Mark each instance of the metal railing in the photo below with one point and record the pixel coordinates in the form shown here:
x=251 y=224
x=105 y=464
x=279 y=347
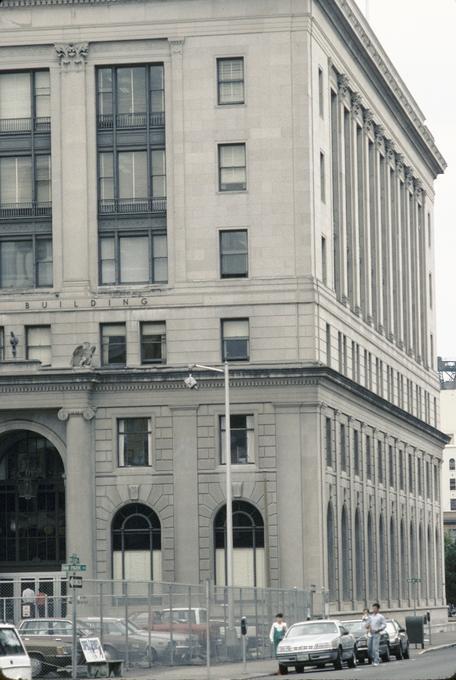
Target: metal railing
x=105 y=121
x=30 y=209
x=12 y=125
x=111 y=206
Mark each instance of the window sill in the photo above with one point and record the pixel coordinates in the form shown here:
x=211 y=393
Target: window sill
x=126 y=288
x=221 y=467
x=230 y=193
x=14 y=291
x=231 y=105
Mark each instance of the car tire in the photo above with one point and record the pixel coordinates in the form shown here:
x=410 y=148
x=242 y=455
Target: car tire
x=338 y=662
x=399 y=654
x=152 y=655
x=407 y=653
x=352 y=660
x=299 y=668
x=386 y=656
x=111 y=653
x=38 y=665
x=283 y=670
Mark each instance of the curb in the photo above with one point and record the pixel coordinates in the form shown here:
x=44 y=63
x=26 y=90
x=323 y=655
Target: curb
x=437 y=648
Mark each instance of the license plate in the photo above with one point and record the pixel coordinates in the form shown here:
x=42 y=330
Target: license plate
x=302 y=657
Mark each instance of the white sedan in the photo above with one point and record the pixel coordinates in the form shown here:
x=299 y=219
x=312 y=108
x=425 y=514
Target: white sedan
x=316 y=643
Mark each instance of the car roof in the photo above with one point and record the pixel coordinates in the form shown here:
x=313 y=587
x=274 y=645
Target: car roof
x=7 y=625
x=97 y=618
x=301 y=623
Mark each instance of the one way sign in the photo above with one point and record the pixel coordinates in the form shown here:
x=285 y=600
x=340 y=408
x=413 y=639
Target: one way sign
x=75 y=581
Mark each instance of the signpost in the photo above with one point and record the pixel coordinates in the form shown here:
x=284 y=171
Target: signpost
x=414 y=580
x=74 y=569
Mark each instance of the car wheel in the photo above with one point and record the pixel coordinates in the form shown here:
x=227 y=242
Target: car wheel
x=399 y=653
x=407 y=653
x=352 y=661
x=37 y=665
x=299 y=668
x=386 y=656
x=283 y=670
x=338 y=661
x=111 y=653
x=152 y=655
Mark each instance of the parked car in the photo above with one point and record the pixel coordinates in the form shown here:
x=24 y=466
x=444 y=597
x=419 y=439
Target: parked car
x=358 y=630
x=398 y=639
x=190 y=623
x=316 y=643
x=14 y=660
x=49 y=643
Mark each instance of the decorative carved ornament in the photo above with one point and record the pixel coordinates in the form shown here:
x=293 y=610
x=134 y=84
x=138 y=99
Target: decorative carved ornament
x=176 y=46
x=83 y=355
x=343 y=85
x=368 y=119
x=72 y=54
x=356 y=104
x=87 y=413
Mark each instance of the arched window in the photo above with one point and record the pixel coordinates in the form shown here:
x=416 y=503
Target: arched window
x=393 y=561
x=383 y=575
x=452 y=464
x=359 y=556
x=249 y=560
x=346 y=561
x=370 y=558
x=136 y=544
x=330 y=534
x=404 y=562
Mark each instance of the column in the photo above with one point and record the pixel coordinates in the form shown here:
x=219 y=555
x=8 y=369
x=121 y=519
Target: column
x=357 y=183
x=72 y=142
x=377 y=226
x=343 y=93
x=80 y=485
x=186 y=529
x=368 y=130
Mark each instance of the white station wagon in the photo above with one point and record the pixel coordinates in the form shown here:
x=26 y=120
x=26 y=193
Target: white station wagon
x=316 y=643
x=14 y=660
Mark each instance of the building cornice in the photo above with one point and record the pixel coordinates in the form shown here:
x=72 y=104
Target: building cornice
x=359 y=38
x=30 y=3
x=143 y=380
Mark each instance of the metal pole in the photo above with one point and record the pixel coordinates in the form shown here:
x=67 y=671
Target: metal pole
x=74 y=642
x=127 y=651
x=244 y=654
x=208 y=637
x=229 y=501
x=414 y=599
x=149 y=622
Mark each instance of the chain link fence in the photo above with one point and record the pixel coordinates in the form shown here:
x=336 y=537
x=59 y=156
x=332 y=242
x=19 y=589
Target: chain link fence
x=147 y=624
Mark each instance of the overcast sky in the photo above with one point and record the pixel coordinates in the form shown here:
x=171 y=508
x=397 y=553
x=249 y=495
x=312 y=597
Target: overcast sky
x=420 y=39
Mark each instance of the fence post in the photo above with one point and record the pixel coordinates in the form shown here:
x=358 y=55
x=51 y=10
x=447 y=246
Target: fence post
x=208 y=628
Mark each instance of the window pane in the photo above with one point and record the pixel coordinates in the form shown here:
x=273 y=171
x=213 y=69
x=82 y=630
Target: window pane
x=114 y=344
x=235 y=328
x=157 y=101
x=160 y=273
x=158 y=173
x=134 y=446
x=231 y=93
x=106 y=177
x=156 y=77
x=43 y=250
x=39 y=343
x=43 y=178
x=233 y=247
x=231 y=81
x=133 y=174
x=16 y=180
x=235 y=339
x=16 y=264
x=131 y=90
x=107 y=260
x=153 y=342
x=15 y=100
x=42 y=94
x=104 y=91
x=134 y=259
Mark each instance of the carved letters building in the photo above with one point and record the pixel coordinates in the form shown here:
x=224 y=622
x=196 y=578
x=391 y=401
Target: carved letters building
x=194 y=181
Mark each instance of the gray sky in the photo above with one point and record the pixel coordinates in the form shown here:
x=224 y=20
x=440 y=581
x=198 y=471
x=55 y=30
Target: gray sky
x=420 y=39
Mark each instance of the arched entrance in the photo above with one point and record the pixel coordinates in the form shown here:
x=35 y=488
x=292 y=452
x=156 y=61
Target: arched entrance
x=32 y=518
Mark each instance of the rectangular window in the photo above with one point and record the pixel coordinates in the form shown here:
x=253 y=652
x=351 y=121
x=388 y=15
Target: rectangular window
x=153 y=342
x=401 y=470
x=344 y=344
x=380 y=462
x=2 y=343
x=158 y=162
x=436 y=483
x=391 y=465
x=235 y=339
x=322 y=177
x=452 y=503
x=368 y=458
x=24 y=184
x=134 y=442
x=131 y=90
x=324 y=262
x=340 y=351
x=232 y=167
x=113 y=344
x=139 y=258
x=328 y=344
x=428 y=479
x=242 y=429
x=321 y=98
x=26 y=263
x=420 y=476
x=410 y=470
x=24 y=101
x=356 y=457
x=343 y=448
x=38 y=344
x=328 y=438
x=230 y=80
x=132 y=170
x=430 y=290
x=233 y=253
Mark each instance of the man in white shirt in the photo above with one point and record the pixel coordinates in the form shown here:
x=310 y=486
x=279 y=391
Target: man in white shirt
x=377 y=624
x=28 y=599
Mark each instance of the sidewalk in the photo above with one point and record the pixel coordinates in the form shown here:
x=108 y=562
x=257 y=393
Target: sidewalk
x=256 y=669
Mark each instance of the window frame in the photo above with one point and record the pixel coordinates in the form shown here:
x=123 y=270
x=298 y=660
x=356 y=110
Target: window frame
x=220 y=168
x=36 y=124
x=251 y=439
x=27 y=330
x=222 y=255
x=121 y=449
x=247 y=338
x=162 y=359
x=218 y=61
x=34 y=238
x=102 y=362
x=125 y=233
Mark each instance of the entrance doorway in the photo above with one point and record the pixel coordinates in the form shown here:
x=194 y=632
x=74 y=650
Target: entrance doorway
x=50 y=598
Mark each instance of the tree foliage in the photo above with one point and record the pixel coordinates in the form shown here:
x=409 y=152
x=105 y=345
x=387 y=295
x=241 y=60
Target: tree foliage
x=450 y=568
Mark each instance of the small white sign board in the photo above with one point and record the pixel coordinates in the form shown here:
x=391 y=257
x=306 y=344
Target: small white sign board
x=92 y=649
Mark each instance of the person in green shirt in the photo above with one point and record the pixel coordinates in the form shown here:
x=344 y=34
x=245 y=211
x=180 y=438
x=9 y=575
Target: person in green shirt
x=278 y=630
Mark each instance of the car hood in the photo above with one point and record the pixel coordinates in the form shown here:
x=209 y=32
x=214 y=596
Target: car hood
x=306 y=641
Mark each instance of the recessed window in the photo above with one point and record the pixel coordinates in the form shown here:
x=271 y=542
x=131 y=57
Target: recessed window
x=38 y=343
x=322 y=178
x=321 y=106
x=25 y=186
x=235 y=339
x=452 y=503
x=24 y=101
x=134 y=442
x=324 y=262
x=328 y=442
x=233 y=253
x=453 y=484
x=232 y=167
x=133 y=258
x=230 y=80
x=153 y=342
x=242 y=429
x=451 y=464
x=113 y=344
x=2 y=343
x=26 y=263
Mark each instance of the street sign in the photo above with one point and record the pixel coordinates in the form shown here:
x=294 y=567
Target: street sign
x=74 y=567
x=75 y=581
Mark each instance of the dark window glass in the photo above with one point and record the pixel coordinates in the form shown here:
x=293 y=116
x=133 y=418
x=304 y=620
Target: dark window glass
x=343 y=448
x=328 y=432
x=391 y=465
x=451 y=464
x=242 y=446
x=235 y=339
x=134 y=437
x=114 y=345
x=380 y=462
x=452 y=503
x=452 y=484
x=368 y=458
x=230 y=80
x=153 y=343
x=232 y=167
x=233 y=253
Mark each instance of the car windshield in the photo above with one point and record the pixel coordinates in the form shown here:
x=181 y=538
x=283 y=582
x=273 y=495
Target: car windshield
x=321 y=628
x=355 y=627
x=390 y=628
x=9 y=643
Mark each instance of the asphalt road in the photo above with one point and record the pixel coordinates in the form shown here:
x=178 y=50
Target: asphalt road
x=436 y=665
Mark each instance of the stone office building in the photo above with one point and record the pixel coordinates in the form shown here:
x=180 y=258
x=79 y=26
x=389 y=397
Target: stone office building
x=197 y=181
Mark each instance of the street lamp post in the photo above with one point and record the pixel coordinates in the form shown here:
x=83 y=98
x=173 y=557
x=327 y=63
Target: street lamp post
x=229 y=493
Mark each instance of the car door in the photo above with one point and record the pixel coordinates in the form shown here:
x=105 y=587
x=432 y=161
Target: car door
x=346 y=641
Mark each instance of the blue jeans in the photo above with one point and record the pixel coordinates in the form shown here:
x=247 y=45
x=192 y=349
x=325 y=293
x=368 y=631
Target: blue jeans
x=373 y=646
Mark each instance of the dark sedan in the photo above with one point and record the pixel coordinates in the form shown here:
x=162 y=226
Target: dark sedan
x=398 y=639
x=358 y=630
